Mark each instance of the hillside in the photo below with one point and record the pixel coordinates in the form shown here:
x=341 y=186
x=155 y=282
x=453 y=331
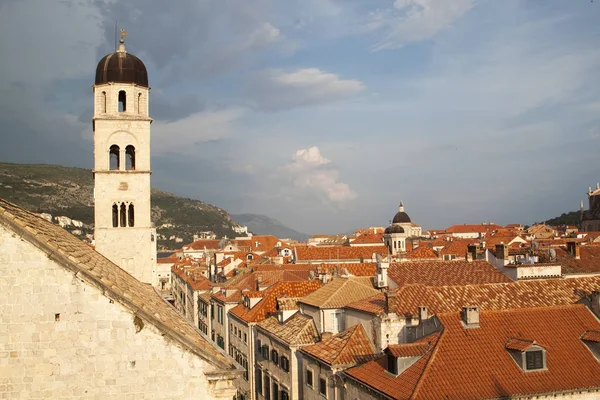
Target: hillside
x=570 y=218
x=67 y=191
x=263 y=225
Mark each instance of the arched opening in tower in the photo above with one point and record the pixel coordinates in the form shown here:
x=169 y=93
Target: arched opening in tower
x=123 y=215
x=130 y=157
x=115 y=216
x=122 y=101
x=104 y=102
x=114 y=161
x=130 y=215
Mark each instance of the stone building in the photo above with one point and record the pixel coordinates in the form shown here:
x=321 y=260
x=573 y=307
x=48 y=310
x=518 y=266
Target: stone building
x=401 y=228
x=590 y=219
x=322 y=363
x=279 y=339
x=75 y=325
x=121 y=124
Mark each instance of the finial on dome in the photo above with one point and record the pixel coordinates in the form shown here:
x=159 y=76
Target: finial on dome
x=122 y=41
x=401 y=206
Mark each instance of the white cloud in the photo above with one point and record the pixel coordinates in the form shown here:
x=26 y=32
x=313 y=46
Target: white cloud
x=310 y=171
x=184 y=135
x=415 y=20
x=275 y=89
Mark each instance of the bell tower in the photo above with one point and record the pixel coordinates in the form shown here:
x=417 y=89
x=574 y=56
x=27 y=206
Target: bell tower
x=123 y=232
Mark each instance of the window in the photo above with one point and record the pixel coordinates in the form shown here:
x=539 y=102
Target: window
x=259 y=381
x=285 y=364
x=122 y=101
x=309 y=378
x=139 y=105
x=323 y=386
x=245 y=365
x=275 y=357
x=275 y=391
x=129 y=158
x=114 y=157
x=123 y=215
x=245 y=338
x=130 y=216
x=212 y=311
x=265 y=351
x=103 y=102
x=232 y=329
x=285 y=395
x=267 y=391
x=259 y=345
x=534 y=360
x=220 y=314
x=220 y=342
x=240 y=334
x=115 y=215
x=392 y=364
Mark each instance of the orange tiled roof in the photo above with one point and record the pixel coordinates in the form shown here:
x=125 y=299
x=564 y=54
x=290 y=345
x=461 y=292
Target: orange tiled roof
x=314 y=253
x=340 y=292
x=493 y=296
x=589 y=261
x=369 y=238
x=208 y=244
x=435 y=273
x=458 y=247
x=268 y=304
x=296 y=330
x=409 y=349
x=591 y=336
x=477 y=228
x=400 y=387
x=475 y=364
x=372 y=305
x=518 y=344
x=422 y=252
x=345 y=349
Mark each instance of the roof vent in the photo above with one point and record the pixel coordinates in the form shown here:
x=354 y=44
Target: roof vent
x=470 y=316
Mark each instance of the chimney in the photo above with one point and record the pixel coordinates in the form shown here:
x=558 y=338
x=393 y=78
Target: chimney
x=469 y=257
x=573 y=248
x=470 y=316
x=423 y=313
x=390 y=301
x=381 y=277
x=502 y=252
x=472 y=249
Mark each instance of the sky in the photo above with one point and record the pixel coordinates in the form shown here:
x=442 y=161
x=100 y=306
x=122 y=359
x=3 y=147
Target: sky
x=324 y=114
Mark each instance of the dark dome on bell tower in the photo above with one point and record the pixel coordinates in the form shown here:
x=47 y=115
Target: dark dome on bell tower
x=121 y=67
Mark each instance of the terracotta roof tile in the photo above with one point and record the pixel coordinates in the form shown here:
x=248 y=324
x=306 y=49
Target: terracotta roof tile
x=591 y=336
x=435 y=273
x=475 y=364
x=475 y=228
x=518 y=344
x=340 y=292
x=422 y=252
x=589 y=261
x=400 y=387
x=314 y=253
x=493 y=296
x=268 y=304
x=408 y=349
x=296 y=330
x=345 y=349
x=208 y=244
x=373 y=305
x=116 y=283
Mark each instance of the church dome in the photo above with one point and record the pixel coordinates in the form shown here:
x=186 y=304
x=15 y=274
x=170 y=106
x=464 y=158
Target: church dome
x=401 y=217
x=121 y=67
x=394 y=229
